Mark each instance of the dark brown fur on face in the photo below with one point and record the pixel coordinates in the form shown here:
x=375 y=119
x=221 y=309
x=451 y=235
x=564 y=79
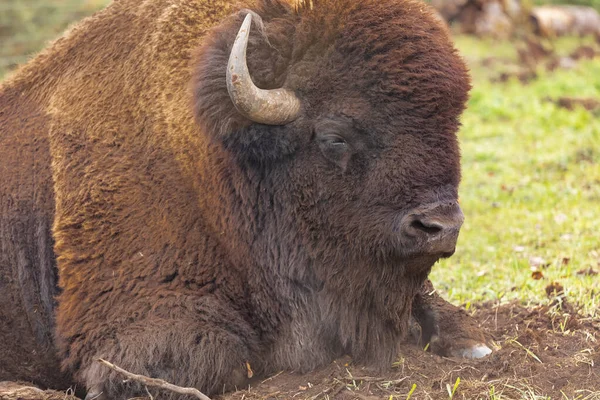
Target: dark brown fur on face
x=189 y=240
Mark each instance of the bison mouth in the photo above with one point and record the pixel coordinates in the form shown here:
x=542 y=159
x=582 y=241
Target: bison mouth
x=417 y=264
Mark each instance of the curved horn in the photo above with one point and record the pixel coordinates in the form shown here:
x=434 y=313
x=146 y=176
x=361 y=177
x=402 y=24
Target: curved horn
x=271 y=107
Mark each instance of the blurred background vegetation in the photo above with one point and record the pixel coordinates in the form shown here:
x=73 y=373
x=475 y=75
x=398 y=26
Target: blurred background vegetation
x=530 y=143
x=26 y=26
x=590 y=3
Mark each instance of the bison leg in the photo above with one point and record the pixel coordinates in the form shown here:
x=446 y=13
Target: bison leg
x=449 y=330
x=206 y=346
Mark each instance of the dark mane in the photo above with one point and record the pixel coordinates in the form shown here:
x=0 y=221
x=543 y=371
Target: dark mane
x=397 y=56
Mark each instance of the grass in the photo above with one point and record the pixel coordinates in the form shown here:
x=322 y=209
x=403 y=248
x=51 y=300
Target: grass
x=531 y=187
x=589 y=3
x=531 y=170
x=26 y=26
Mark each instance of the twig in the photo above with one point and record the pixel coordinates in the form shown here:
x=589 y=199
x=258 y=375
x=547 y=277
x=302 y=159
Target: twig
x=149 y=394
x=154 y=382
x=375 y=379
x=271 y=377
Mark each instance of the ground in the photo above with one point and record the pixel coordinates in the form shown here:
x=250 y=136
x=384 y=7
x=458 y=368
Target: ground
x=542 y=352
x=528 y=257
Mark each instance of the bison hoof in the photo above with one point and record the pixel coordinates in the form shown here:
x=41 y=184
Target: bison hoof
x=460 y=348
x=477 y=351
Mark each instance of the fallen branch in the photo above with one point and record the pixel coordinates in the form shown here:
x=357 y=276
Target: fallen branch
x=154 y=382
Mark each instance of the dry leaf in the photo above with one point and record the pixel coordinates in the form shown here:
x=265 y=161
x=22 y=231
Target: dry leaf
x=537 y=275
x=588 y=272
x=249 y=370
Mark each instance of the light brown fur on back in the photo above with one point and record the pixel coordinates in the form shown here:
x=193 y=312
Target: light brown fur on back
x=67 y=103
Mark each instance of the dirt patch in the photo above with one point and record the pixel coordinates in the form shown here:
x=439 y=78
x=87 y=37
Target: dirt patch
x=570 y=103
x=585 y=53
x=545 y=351
x=524 y=76
x=568 y=62
x=535 y=54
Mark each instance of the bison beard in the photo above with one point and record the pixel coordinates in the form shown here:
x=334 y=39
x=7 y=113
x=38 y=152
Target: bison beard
x=189 y=239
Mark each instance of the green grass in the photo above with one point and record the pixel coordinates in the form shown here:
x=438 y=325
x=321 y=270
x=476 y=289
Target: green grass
x=26 y=26
x=531 y=188
x=590 y=3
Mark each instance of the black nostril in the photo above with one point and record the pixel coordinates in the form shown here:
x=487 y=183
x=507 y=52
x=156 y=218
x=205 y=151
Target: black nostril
x=429 y=228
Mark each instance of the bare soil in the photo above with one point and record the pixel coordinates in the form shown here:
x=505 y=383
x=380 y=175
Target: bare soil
x=570 y=103
x=547 y=350
x=535 y=54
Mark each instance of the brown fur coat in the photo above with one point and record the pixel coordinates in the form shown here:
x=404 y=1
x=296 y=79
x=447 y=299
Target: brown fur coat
x=185 y=248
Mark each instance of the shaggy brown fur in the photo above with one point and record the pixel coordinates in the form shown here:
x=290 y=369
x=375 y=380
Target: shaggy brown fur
x=27 y=265
x=189 y=240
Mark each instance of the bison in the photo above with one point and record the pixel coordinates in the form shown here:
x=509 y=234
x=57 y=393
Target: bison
x=192 y=186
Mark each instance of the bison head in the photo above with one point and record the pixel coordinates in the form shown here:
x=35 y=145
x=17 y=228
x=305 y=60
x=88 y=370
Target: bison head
x=343 y=125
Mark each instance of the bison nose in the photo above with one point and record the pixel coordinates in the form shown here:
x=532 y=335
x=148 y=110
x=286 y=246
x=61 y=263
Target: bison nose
x=433 y=229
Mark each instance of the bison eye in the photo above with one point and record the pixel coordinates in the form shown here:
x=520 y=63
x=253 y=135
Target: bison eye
x=335 y=149
x=332 y=140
